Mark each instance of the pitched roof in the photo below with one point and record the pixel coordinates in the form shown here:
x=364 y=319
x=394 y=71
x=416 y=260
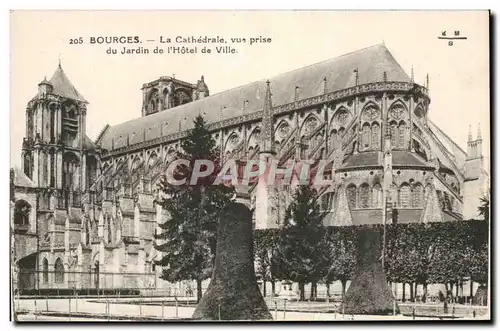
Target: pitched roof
x=20 y=179
x=63 y=87
x=370 y=62
x=406 y=158
x=362 y=159
x=399 y=158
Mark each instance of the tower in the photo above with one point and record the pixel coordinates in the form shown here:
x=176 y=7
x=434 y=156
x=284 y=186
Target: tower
x=168 y=92
x=266 y=207
x=475 y=177
x=52 y=155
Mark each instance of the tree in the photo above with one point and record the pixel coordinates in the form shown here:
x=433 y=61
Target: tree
x=369 y=292
x=233 y=293
x=264 y=249
x=484 y=207
x=342 y=241
x=190 y=232
x=303 y=253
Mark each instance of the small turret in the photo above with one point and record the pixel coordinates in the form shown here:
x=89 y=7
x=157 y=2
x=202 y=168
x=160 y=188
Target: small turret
x=202 y=88
x=45 y=87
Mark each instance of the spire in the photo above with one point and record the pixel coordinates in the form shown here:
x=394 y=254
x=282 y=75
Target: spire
x=63 y=86
x=479 y=136
x=427 y=81
x=267 y=135
x=385 y=76
x=469 y=138
x=356 y=80
x=412 y=76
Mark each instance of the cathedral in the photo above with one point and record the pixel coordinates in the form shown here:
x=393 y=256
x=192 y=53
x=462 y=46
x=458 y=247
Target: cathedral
x=84 y=212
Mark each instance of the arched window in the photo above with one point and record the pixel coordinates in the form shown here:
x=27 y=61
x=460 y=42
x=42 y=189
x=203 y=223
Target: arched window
x=59 y=271
x=366 y=135
x=375 y=136
x=394 y=134
x=53 y=156
x=377 y=196
x=45 y=168
x=22 y=211
x=404 y=196
x=304 y=147
x=153 y=158
x=45 y=271
x=70 y=168
x=333 y=139
x=31 y=129
x=135 y=164
x=27 y=165
x=341 y=133
x=110 y=231
x=364 y=196
x=52 y=126
x=351 y=196
x=402 y=134
x=417 y=196
x=87 y=233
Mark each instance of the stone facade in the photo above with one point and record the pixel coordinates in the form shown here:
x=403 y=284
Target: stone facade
x=90 y=205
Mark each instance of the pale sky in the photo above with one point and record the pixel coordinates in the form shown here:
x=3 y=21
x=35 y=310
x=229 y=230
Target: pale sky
x=459 y=74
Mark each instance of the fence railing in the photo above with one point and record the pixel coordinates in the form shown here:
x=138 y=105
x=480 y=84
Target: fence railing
x=162 y=308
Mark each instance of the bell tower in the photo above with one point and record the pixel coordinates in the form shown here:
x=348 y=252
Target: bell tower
x=168 y=92
x=475 y=178
x=52 y=153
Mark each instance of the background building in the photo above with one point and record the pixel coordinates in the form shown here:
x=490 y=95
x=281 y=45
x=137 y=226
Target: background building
x=89 y=206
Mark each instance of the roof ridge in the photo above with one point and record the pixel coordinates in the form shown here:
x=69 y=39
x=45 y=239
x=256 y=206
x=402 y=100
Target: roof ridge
x=448 y=137
x=371 y=61
x=263 y=80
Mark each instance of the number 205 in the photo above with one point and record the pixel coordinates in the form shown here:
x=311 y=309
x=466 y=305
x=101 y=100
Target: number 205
x=76 y=41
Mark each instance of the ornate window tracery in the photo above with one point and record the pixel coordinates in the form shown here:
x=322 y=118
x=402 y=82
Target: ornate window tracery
x=59 y=271
x=45 y=271
x=417 y=196
x=402 y=134
x=404 y=196
x=351 y=196
x=377 y=196
x=364 y=196
x=366 y=136
x=375 y=136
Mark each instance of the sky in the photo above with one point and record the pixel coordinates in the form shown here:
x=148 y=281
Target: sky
x=458 y=74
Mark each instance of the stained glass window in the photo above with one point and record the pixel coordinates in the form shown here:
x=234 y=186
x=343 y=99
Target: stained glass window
x=377 y=196
x=417 y=196
x=402 y=134
x=404 y=196
x=351 y=196
x=364 y=196
x=375 y=136
x=394 y=135
x=366 y=135
x=59 y=271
